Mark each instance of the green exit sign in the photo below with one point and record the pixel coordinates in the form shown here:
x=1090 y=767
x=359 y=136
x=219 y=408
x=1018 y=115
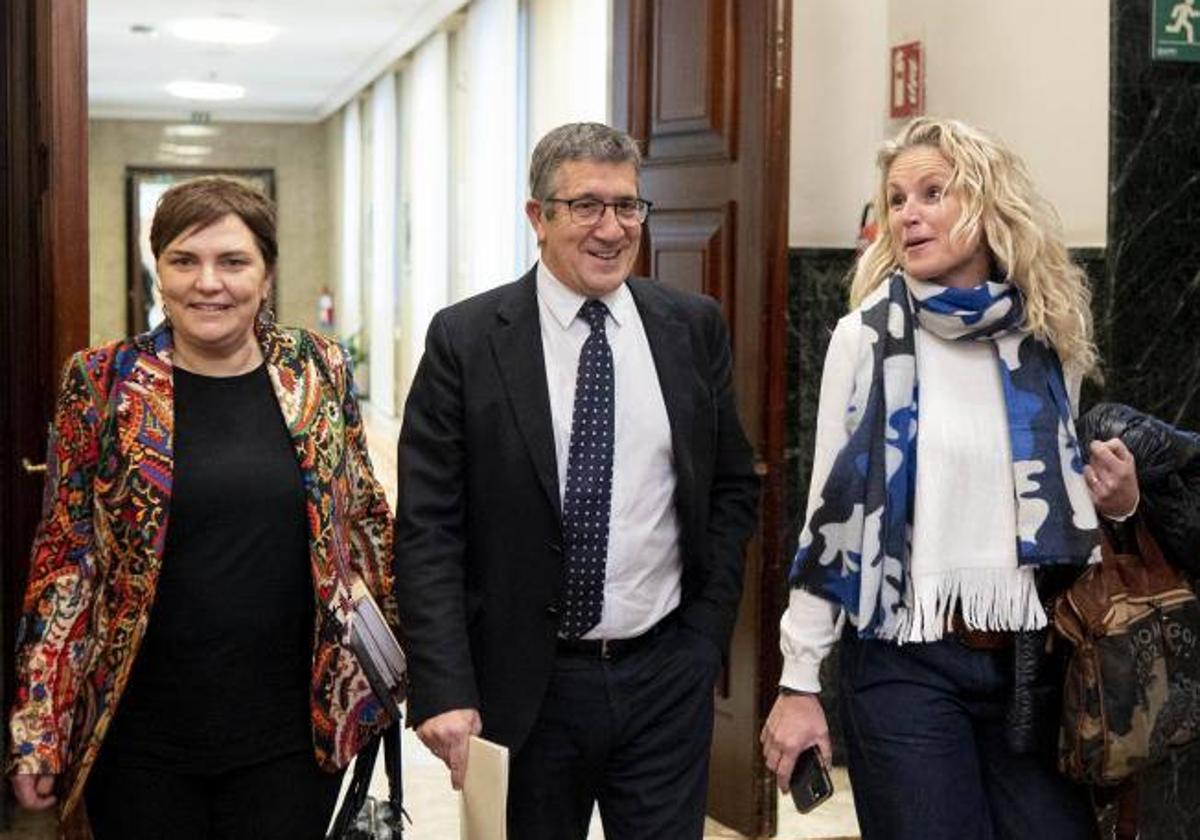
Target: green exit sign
x=1175 y=31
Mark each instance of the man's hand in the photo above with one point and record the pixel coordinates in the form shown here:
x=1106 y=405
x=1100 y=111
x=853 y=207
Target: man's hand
x=447 y=736
x=34 y=792
x=796 y=722
x=1112 y=478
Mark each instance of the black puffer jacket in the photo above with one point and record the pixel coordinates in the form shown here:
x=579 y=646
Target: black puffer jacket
x=1168 y=470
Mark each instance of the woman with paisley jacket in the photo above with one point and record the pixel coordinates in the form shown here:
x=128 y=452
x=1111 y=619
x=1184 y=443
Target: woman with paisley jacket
x=182 y=668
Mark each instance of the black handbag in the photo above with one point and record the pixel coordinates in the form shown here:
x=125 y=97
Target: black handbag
x=363 y=817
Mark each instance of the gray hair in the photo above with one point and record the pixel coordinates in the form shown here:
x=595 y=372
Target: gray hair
x=578 y=141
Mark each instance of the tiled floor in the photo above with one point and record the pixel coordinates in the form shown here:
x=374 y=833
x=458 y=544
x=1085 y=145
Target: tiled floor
x=434 y=808
x=430 y=800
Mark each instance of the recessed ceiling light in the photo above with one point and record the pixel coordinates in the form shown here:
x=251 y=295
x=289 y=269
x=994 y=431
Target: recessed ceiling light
x=224 y=31
x=185 y=150
x=143 y=29
x=205 y=90
x=191 y=131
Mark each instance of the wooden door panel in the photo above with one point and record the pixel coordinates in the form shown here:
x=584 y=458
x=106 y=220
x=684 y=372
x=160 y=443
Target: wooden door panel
x=703 y=85
x=693 y=77
x=693 y=250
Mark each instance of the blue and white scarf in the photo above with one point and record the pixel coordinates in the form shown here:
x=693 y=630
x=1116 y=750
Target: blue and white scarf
x=855 y=547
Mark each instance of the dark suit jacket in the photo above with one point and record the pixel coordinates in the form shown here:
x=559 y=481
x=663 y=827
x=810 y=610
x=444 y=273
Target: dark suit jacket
x=478 y=533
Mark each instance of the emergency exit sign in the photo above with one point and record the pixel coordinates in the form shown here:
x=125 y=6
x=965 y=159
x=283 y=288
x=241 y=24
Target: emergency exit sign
x=1175 y=30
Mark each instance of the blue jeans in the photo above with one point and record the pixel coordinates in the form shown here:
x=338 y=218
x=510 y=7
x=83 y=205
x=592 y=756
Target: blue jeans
x=924 y=727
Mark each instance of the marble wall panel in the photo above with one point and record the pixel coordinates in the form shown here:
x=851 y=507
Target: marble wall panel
x=1148 y=304
x=818 y=286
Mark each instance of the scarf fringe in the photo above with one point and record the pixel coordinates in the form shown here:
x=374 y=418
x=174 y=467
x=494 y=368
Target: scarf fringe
x=989 y=599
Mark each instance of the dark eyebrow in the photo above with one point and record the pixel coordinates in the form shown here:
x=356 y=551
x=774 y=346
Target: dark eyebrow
x=187 y=252
x=594 y=197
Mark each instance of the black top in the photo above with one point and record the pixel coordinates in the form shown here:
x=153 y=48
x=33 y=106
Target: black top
x=222 y=677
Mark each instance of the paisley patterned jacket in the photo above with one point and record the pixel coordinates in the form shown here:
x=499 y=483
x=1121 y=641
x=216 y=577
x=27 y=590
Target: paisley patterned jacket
x=98 y=549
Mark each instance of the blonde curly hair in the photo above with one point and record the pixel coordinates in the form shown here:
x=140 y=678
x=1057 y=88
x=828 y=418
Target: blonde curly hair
x=1020 y=229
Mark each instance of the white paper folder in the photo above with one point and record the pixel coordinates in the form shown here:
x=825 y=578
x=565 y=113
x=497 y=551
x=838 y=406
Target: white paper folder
x=483 y=806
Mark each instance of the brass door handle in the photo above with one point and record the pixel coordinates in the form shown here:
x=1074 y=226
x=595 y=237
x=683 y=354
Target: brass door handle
x=31 y=467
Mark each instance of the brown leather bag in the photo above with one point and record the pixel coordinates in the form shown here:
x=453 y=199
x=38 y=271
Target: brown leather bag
x=1132 y=688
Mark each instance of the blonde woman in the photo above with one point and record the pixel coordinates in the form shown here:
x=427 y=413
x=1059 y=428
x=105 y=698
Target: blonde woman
x=947 y=482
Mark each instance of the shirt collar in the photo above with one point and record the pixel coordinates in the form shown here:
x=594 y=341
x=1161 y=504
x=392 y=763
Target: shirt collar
x=564 y=302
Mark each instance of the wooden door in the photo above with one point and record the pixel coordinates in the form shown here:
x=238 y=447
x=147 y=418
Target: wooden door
x=43 y=266
x=704 y=84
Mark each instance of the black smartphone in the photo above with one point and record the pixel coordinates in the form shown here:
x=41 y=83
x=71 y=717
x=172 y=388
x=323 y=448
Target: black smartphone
x=811 y=784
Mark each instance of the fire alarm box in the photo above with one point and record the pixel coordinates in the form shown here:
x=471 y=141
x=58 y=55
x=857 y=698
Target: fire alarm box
x=908 y=80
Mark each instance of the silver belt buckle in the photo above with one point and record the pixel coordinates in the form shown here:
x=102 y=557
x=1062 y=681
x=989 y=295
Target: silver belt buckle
x=604 y=654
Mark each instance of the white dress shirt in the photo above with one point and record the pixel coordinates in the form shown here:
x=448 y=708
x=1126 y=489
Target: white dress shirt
x=642 y=580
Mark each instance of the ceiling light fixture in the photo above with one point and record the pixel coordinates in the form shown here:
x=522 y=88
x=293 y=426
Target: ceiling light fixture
x=184 y=150
x=191 y=131
x=232 y=31
x=214 y=91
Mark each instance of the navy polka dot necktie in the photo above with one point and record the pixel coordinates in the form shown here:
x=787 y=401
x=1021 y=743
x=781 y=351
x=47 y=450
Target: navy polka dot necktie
x=588 y=499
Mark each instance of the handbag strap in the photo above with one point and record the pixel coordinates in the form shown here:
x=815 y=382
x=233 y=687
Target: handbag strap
x=393 y=742
x=356 y=793
x=1152 y=555
x=1159 y=573
x=1126 y=823
x=360 y=783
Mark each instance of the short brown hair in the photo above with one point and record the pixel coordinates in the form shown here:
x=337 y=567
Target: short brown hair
x=196 y=204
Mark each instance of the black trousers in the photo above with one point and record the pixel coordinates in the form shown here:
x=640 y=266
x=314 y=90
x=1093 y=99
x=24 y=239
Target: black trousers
x=288 y=798
x=632 y=735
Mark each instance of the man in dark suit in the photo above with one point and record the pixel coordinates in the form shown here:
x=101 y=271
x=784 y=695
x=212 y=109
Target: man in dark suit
x=575 y=492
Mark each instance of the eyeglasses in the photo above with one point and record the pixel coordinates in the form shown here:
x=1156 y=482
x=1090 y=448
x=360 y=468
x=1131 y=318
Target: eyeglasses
x=589 y=211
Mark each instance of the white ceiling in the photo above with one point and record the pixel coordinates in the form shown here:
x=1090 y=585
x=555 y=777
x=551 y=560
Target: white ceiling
x=326 y=51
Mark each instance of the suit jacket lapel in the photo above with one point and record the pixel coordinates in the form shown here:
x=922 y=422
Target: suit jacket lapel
x=670 y=346
x=144 y=401
x=517 y=345
x=296 y=381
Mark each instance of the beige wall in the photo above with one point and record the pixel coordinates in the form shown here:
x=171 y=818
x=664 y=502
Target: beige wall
x=839 y=73
x=1033 y=73
x=299 y=157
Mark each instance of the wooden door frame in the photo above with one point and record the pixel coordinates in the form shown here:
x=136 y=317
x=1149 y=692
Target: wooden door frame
x=63 y=124
x=43 y=267
x=631 y=112
x=776 y=552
